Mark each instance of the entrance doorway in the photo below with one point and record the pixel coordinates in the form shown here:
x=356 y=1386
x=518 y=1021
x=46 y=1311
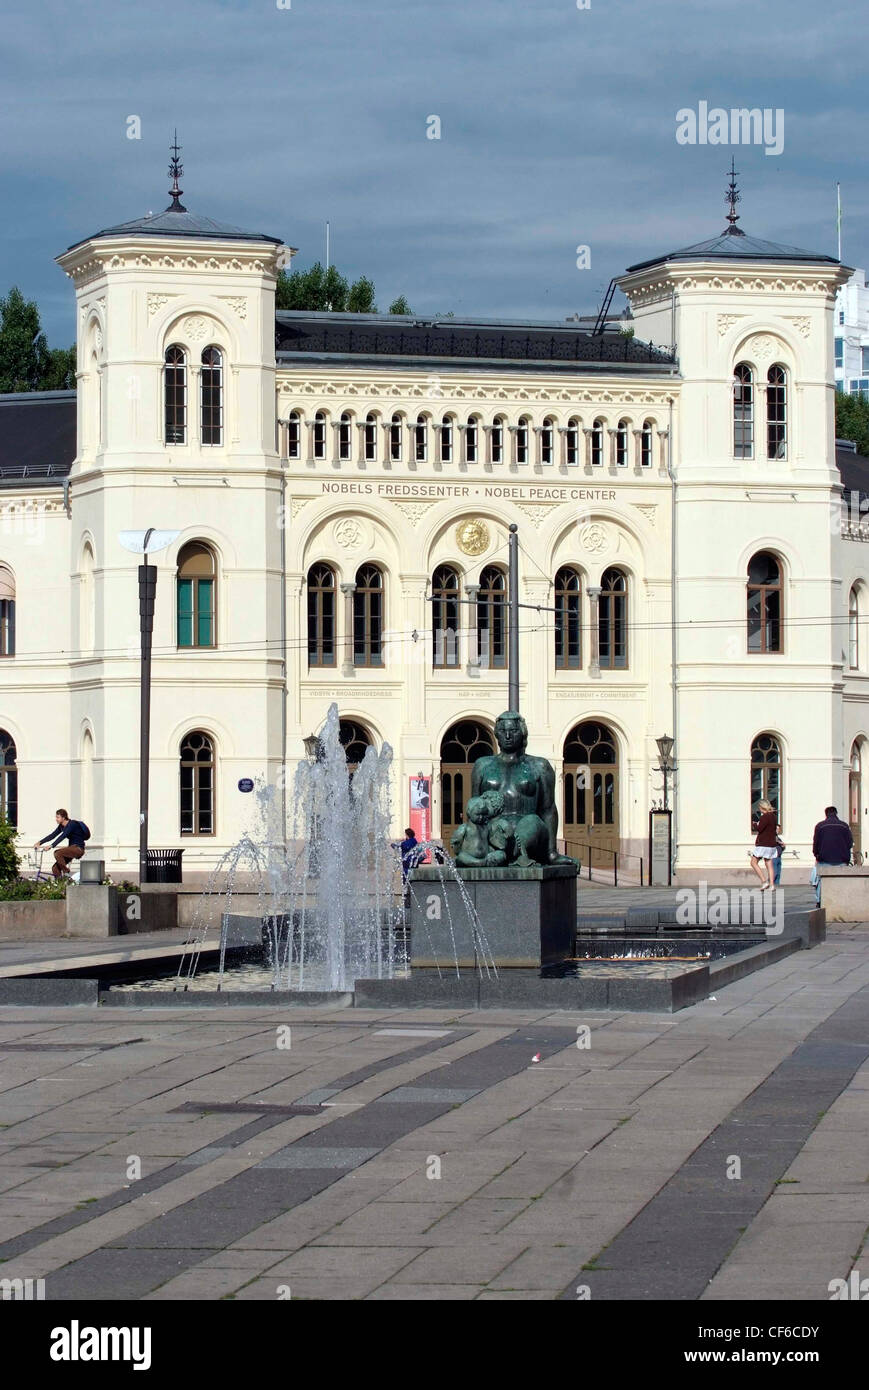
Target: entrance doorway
x=591 y=794
x=461 y=746
x=855 y=800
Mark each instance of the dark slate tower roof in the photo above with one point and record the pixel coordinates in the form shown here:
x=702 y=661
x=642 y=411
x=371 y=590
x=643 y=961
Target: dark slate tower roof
x=176 y=220
x=734 y=245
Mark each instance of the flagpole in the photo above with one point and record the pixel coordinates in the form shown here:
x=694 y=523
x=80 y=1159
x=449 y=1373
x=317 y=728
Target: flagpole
x=839 y=217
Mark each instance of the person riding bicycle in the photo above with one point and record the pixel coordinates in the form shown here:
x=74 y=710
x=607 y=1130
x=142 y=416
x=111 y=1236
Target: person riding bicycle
x=75 y=831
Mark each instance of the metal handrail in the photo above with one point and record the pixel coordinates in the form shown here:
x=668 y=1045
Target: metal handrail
x=616 y=853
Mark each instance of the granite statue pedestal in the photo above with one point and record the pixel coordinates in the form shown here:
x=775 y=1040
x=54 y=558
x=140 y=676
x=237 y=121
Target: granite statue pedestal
x=527 y=916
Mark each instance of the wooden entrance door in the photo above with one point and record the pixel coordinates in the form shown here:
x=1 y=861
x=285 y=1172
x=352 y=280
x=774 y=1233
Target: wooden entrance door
x=461 y=746
x=591 y=794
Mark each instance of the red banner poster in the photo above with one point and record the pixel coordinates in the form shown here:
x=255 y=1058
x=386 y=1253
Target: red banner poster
x=419 y=812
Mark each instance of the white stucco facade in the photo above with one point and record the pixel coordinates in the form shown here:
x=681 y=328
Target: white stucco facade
x=629 y=469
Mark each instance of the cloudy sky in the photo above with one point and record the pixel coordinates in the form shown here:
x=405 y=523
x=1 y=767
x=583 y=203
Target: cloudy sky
x=557 y=130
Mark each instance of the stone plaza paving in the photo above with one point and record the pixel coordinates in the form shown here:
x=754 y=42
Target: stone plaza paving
x=189 y=1153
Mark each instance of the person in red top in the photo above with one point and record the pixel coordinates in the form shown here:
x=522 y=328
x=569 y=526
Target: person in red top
x=763 y=854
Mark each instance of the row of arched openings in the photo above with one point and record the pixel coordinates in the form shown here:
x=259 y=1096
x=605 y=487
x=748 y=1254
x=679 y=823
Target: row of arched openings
x=471 y=440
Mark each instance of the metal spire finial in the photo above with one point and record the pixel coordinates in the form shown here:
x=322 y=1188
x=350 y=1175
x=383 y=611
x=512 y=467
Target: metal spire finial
x=733 y=197
x=176 y=169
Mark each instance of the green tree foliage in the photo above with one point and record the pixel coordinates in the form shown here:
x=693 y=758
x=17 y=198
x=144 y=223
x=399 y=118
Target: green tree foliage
x=27 y=363
x=322 y=291
x=9 y=860
x=852 y=420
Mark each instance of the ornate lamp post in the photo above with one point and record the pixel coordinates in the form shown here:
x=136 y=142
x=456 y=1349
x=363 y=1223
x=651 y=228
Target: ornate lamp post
x=665 y=752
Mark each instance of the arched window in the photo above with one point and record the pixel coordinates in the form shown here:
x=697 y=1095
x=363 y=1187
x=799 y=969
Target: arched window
x=497 y=439
x=321 y=615
x=445 y=617
x=646 y=445
x=8 y=779
x=766 y=775
x=591 y=787
x=86 y=599
x=764 y=603
x=197 y=784
x=7 y=611
x=294 y=435
x=87 y=776
x=613 y=621
x=355 y=740
x=344 y=441
x=622 y=435
x=471 y=439
x=743 y=411
x=195 y=596
x=320 y=435
x=854 y=629
x=597 y=444
x=368 y=617
x=396 y=430
x=776 y=413
x=492 y=619
x=446 y=440
x=568 y=595
x=420 y=434
x=175 y=395
x=522 y=441
x=572 y=442
x=371 y=438
x=211 y=396
x=547 y=441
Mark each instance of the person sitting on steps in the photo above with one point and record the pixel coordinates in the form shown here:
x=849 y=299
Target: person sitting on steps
x=75 y=831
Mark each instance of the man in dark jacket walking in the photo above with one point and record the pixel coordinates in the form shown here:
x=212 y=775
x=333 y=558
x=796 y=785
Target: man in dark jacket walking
x=831 y=844
x=75 y=831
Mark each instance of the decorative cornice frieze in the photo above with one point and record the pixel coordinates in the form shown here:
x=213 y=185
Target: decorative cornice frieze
x=653 y=395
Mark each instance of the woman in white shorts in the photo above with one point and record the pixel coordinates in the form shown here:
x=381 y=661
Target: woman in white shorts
x=763 y=854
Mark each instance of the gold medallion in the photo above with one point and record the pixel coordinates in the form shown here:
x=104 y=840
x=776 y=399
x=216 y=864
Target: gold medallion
x=472 y=537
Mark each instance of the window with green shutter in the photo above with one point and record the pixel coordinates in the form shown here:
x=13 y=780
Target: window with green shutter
x=196 y=596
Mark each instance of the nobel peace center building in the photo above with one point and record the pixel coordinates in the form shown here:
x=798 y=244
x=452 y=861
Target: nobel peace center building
x=339 y=488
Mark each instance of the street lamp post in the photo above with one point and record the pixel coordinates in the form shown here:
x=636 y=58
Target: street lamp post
x=141 y=543
x=665 y=750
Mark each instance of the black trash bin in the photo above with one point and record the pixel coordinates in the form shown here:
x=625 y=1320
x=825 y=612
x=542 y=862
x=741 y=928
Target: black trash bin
x=164 y=865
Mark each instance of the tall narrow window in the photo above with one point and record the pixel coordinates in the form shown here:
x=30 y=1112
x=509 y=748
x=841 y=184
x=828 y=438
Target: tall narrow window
x=622 y=435
x=420 y=437
x=471 y=439
x=371 y=438
x=492 y=619
x=7 y=612
x=175 y=395
x=445 y=617
x=368 y=617
x=8 y=779
x=764 y=600
x=547 y=442
x=597 y=444
x=567 y=619
x=498 y=440
x=396 y=430
x=854 y=629
x=446 y=440
x=196 y=595
x=646 y=444
x=522 y=441
x=344 y=440
x=572 y=443
x=320 y=435
x=294 y=435
x=613 y=621
x=743 y=412
x=776 y=412
x=197 y=785
x=211 y=396
x=766 y=775
x=321 y=616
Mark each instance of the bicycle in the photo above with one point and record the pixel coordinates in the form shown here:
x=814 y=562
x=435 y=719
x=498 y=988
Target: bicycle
x=34 y=864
